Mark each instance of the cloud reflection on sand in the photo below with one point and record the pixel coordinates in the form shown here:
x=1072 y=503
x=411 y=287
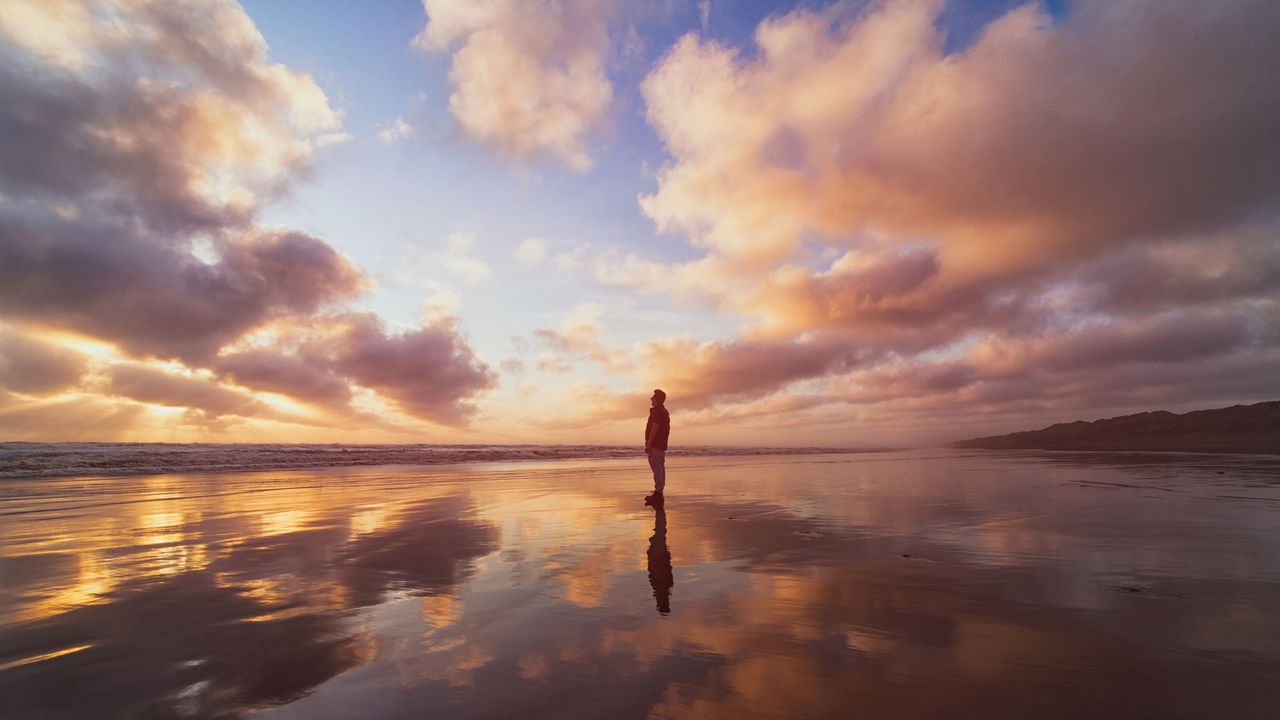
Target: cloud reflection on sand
x=187 y=642
x=195 y=618
x=906 y=587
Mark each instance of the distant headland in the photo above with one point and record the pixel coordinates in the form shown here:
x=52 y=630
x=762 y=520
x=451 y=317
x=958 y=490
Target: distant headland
x=1240 y=428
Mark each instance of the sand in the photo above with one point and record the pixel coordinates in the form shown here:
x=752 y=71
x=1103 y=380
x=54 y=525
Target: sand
x=913 y=584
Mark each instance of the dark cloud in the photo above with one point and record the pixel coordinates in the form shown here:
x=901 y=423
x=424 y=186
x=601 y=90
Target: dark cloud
x=1170 y=339
x=1190 y=273
x=157 y=300
x=429 y=372
x=1177 y=361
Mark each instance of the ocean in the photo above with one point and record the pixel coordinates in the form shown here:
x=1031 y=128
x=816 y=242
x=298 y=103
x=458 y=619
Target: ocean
x=25 y=459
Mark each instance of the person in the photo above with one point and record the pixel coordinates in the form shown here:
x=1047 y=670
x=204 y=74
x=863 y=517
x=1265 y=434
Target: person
x=656 y=432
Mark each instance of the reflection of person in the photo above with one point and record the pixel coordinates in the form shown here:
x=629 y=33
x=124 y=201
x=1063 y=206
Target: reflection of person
x=660 y=576
x=656 y=432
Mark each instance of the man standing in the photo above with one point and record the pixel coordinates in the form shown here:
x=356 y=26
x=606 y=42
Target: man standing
x=655 y=444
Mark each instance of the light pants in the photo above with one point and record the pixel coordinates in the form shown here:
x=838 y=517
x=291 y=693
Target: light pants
x=658 y=463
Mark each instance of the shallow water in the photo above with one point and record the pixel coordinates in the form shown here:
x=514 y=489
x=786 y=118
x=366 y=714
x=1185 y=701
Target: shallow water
x=915 y=584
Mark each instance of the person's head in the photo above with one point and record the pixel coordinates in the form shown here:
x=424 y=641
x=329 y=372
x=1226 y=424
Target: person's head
x=658 y=398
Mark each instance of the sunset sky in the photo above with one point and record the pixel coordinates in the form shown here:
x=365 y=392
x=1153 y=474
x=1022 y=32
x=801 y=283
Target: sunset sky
x=839 y=224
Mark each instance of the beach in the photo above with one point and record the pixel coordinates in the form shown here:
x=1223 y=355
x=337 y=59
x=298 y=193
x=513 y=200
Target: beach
x=926 y=583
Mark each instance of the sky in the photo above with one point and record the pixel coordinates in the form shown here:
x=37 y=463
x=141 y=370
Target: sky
x=846 y=224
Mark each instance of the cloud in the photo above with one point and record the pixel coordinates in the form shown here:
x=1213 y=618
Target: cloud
x=1028 y=141
x=574 y=259
x=1173 y=338
x=34 y=367
x=141 y=140
x=702 y=373
x=865 y=196
x=528 y=76
x=698 y=375
x=89 y=418
x=158 y=387
x=1180 y=359
x=547 y=362
x=532 y=251
x=1201 y=270
x=398 y=130
x=579 y=334
x=454 y=258
x=303 y=377
x=428 y=372
x=99 y=88
x=442 y=302
x=154 y=299
x=470 y=269
x=152 y=126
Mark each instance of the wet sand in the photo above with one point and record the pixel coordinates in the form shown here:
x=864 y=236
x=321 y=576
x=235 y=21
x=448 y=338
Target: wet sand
x=915 y=584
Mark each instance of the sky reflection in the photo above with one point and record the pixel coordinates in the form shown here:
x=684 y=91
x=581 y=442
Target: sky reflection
x=896 y=585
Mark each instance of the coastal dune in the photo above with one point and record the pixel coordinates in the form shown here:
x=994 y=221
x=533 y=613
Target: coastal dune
x=1238 y=429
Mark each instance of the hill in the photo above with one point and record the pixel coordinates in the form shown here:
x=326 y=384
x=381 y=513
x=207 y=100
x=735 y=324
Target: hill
x=1240 y=428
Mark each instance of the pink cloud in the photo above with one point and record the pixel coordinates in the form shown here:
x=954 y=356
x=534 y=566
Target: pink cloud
x=528 y=76
x=1043 y=190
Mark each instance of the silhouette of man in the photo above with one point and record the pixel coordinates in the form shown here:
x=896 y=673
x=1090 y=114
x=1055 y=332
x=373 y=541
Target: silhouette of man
x=660 y=575
x=656 y=432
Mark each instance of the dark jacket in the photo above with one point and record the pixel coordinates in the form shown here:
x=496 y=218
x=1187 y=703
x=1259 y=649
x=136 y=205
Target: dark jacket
x=659 y=417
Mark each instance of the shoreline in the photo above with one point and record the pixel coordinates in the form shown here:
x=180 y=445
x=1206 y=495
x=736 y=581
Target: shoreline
x=27 y=460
